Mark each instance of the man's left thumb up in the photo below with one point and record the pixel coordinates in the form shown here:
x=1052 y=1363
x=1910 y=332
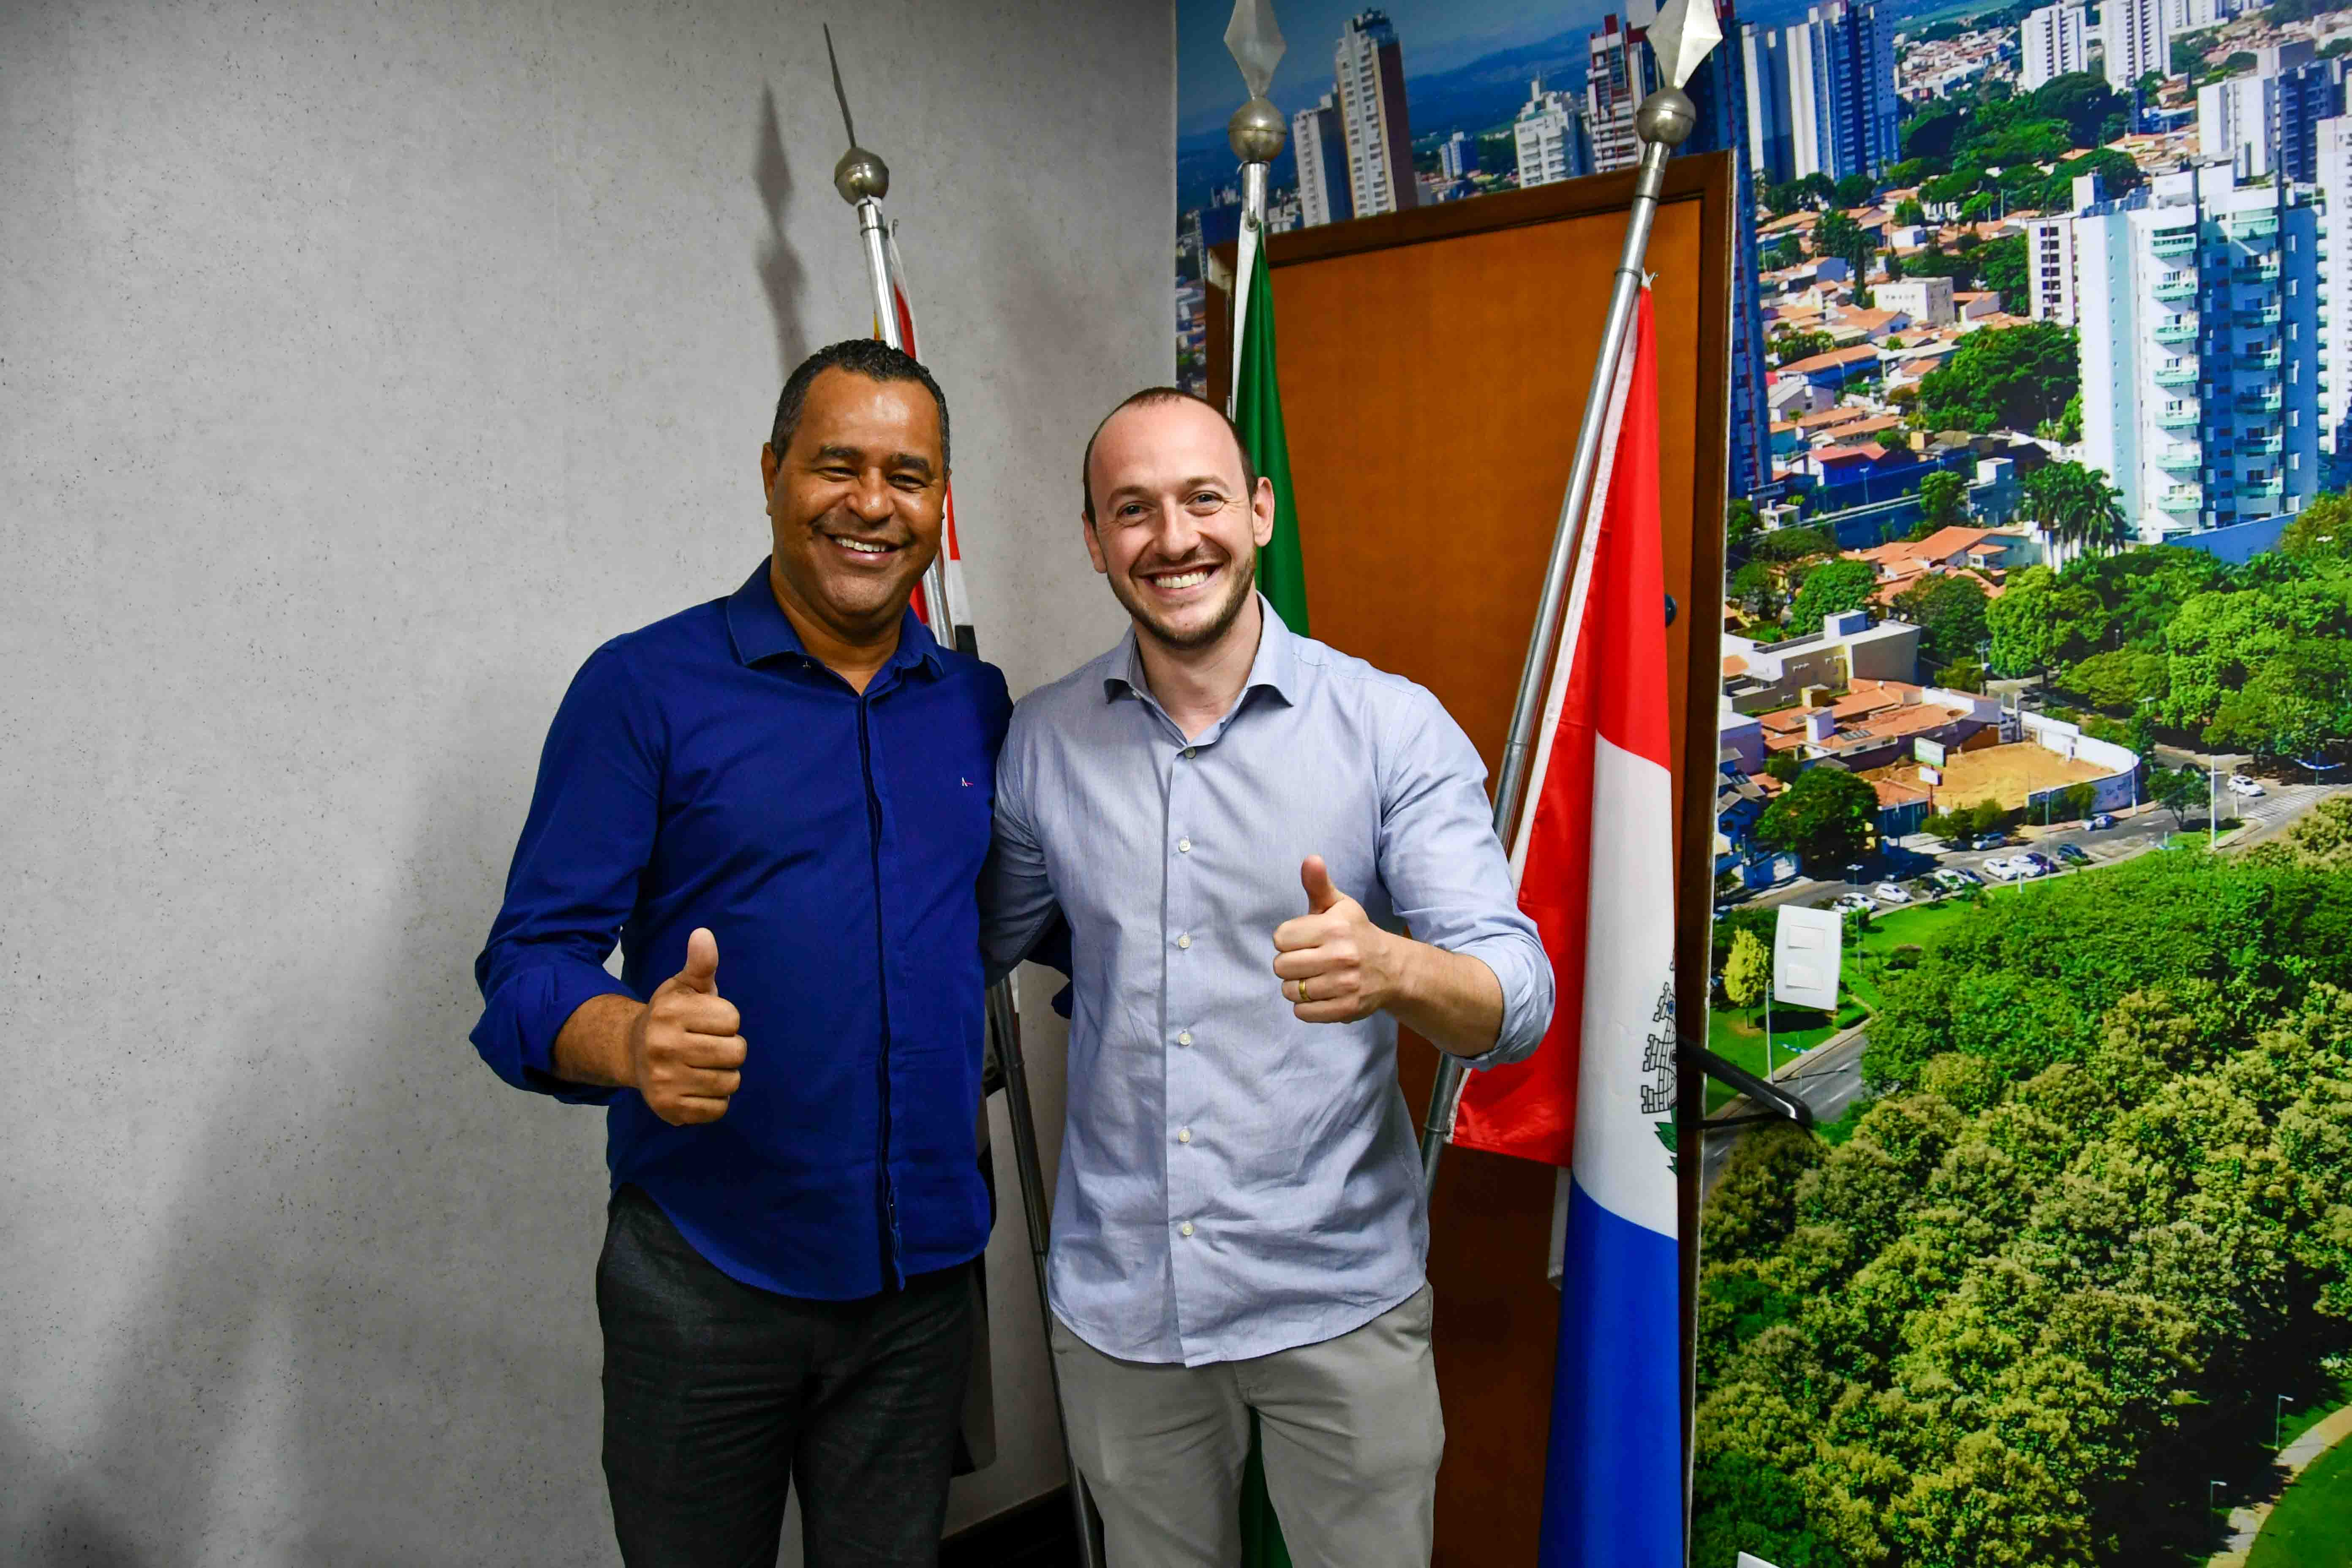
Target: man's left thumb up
x=1316 y=878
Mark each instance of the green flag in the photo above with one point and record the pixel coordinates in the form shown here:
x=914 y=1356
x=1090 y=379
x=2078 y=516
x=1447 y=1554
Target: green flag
x=1257 y=415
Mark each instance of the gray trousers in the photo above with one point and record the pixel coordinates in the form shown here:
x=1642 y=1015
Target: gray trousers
x=1351 y=1429
x=719 y=1397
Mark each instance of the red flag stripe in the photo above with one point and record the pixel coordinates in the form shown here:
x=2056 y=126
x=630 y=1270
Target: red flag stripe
x=1607 y=679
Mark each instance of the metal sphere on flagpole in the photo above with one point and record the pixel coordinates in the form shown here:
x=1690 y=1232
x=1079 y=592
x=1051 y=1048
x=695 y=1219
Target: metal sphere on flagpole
x=861 y=176
x=1667 y=117
x=1257 y=132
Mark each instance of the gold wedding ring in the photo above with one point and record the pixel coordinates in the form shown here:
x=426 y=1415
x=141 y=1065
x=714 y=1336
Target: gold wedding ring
x=1302 y=993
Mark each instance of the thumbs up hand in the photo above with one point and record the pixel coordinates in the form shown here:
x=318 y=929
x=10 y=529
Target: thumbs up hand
x=683 y=1051
x=1336 y=966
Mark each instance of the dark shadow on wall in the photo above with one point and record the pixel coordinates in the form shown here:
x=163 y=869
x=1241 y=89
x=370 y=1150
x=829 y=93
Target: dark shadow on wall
x=780 y=271
x=369 y=1337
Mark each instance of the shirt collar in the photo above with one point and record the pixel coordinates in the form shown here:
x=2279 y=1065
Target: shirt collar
x=1275 y=668
x=762 y=630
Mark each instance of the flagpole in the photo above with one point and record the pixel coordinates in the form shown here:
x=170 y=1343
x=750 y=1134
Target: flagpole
x=863 y=179
x=1663 y=123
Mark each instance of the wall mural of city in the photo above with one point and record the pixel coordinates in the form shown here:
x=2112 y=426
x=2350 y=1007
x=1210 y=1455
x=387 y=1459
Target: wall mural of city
x=2038 y=638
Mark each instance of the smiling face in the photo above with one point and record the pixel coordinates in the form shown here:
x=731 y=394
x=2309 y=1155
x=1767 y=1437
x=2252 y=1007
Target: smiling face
x=855 y=501
x=1176 y=528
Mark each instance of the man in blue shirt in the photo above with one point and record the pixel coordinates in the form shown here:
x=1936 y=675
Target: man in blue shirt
x=1241 y=825
x=778 y=803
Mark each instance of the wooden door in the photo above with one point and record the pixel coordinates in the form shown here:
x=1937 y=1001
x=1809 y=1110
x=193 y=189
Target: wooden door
x=1434 y=366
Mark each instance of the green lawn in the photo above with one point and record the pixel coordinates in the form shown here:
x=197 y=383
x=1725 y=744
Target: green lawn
x=1736 y=1034
x=2332 y=1397
x=2312 y=1525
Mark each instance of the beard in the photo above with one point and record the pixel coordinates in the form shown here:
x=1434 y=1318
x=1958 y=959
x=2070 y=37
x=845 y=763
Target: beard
x=1243 y=574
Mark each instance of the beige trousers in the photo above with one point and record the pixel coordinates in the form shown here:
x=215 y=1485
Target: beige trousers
x=1351 y=1429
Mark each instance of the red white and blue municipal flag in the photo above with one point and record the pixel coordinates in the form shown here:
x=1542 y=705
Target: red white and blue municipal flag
x=951 y=547
x=1595 y=860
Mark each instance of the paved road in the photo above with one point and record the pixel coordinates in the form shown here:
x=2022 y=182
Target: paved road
x=1828 y=1079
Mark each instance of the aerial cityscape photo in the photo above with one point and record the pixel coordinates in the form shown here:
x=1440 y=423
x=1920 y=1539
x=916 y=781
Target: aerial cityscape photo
x=2038 y=677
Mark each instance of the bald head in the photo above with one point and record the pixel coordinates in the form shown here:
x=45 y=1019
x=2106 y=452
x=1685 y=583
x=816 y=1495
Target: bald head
x=1165 y=399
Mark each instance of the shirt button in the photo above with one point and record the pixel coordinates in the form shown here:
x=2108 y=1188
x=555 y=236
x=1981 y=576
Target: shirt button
x=1184 y=1229
x=1184 y=940
x=1185 y=1038
x=1183 y=846
x=1184 y=1135
x=1188 y=752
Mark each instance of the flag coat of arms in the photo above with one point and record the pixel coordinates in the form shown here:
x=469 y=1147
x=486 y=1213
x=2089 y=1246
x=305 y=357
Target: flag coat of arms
x=1594 y=859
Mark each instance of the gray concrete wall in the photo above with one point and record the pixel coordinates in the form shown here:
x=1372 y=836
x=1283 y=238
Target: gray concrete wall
x=364 y=365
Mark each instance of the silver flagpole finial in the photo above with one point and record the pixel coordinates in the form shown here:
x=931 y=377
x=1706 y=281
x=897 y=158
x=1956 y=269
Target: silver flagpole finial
x=860 y=175
x=1258 y=131
x=1683 y=35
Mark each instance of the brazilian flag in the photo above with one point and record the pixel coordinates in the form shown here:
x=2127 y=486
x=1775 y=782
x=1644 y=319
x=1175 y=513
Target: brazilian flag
x=1282 y=576
x=1257 y=415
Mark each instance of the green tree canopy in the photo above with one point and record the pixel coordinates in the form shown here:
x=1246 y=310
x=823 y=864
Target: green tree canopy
x=1826 y=816
x=1832 y=589
x=2075 y=506
x=2083 y=100
x=1944 y=499
x=1909 y=213
x=2039 y=621
x=1747 y=969
x=2000 y=267
x=1783 y=546
x=2116 y=679
x=1949 y=610
x=2009 y=378
x=1854 y=190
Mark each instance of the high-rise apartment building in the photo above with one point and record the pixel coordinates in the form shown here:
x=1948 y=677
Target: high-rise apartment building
x=1819 y=96
x=2050 y=264
x=1368 y=65
x=2198 y=299
x=1612 y=91
x=1764 y=83
x=2236 y=123
x=1457 y=155
x=1549 y=137
x=1320 y=142
x=1718 y=93
x=2137 y=40
x=2053 y=42
x=2307 y=94
x=2332 y=174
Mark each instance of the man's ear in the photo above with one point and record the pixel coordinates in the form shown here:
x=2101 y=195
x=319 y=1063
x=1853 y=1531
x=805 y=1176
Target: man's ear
x=771 y=466
x=1094 y=545
x=1262 y=512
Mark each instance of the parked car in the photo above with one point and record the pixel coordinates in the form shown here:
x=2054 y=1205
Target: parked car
x=2038 y=860
x=2072 y=855
x=1989 y=841
x=2029 y=866
x=2241 y=784
x=2105 y=819
x=1891 y=893
x=1852 y=903
x=2000 y=869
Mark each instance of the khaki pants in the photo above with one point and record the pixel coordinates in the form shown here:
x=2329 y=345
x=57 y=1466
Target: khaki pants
x=1351 y=1429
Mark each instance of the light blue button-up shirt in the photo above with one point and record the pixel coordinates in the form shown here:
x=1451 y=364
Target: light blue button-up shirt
x=1235 y=1181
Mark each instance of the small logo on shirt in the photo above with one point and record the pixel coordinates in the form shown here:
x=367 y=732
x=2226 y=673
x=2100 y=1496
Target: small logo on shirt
x=966 y=783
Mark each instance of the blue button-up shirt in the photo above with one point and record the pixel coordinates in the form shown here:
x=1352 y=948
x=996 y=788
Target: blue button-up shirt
x=1235 y=1181
x=707 y=771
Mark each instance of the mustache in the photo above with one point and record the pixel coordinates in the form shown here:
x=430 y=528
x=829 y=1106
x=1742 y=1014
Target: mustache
x=845 y=525
x=1192 y=564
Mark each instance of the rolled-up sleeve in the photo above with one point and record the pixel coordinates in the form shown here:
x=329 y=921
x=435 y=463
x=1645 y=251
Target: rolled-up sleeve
x=584 y=845
x=1016 y=899
x=1447 y=876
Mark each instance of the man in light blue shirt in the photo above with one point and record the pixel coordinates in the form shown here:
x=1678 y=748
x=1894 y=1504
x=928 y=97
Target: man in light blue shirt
x=1240 y=825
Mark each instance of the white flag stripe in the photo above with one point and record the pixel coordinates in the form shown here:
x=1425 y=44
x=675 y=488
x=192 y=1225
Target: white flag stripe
x=1620 y=1161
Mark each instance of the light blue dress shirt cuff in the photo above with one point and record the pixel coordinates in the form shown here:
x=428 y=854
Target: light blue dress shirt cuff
x=1519 y=966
